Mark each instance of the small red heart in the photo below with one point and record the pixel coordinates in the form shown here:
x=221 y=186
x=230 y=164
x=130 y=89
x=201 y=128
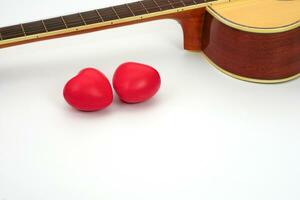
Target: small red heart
x=135 y=82
x=89 y=91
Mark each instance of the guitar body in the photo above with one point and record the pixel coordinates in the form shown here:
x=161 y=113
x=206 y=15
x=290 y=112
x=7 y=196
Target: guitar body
x=254 y=40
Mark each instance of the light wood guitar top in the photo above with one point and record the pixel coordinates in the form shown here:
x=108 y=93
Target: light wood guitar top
x=259 y=14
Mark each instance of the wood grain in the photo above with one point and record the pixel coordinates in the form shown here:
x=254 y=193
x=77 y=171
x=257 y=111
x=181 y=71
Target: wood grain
x=252 y=55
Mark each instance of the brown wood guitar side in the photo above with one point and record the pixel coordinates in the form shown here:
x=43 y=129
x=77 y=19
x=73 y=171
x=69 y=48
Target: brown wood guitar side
x=256 y=57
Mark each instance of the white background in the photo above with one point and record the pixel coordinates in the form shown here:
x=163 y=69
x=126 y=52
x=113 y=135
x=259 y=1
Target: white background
x=204 y=136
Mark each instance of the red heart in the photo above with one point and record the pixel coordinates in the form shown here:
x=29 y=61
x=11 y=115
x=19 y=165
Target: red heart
x=89 y=91
x=135 y=82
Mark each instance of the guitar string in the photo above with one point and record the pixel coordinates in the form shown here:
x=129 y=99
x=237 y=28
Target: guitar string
x=158 y=6
x=55 y=25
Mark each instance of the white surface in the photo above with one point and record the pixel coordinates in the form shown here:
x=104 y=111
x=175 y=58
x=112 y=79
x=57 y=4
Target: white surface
x=204 y=136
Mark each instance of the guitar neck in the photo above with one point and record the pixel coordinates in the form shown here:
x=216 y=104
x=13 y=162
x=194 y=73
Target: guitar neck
x=95 y=20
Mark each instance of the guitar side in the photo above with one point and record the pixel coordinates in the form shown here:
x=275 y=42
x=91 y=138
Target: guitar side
x=259 y=54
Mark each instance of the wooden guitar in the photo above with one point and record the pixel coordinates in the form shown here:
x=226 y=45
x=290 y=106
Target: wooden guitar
x=253 y=40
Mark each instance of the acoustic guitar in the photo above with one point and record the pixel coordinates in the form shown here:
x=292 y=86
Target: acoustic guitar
x=252 y=40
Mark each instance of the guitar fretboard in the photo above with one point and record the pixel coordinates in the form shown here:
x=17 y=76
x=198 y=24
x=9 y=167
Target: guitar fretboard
x=94 y=16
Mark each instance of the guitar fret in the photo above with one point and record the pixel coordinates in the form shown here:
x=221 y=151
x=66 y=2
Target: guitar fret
x=171 y=4
x=138 y=8
x=91 y=17
x=156 y=4
x=44 y=26
x=23 y=29
x=150 y=6
x=63 y=20
x=130 y=10
x=100 y=16
x=144 y=7
x=108 y=14
x=11 y=32
x=33 y=28
x=115 y=12
x=182 y=2
x=123 y=11
x=54 y=24
x=82 y=18
x=163 y=4
x=73 y=20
